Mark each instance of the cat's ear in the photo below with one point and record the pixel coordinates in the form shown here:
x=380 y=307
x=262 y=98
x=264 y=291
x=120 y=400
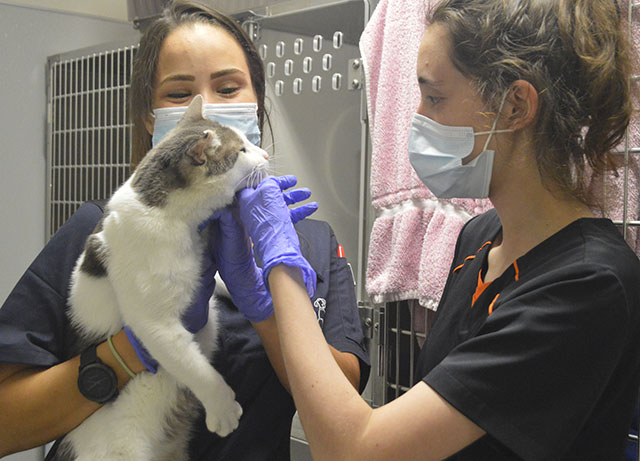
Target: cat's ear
x=194 y=111
x=197 y=154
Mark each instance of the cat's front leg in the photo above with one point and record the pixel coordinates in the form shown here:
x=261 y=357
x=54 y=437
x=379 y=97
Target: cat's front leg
x=176 y=351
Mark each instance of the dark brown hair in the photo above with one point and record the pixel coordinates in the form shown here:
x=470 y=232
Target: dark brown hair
x=179 y=13
x=577 y=56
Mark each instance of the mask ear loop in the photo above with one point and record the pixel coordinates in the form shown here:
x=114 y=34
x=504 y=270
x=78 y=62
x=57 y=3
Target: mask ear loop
x=495 y=123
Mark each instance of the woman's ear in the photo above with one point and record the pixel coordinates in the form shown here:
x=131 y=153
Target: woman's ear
x=522 y=104
x=148 y=123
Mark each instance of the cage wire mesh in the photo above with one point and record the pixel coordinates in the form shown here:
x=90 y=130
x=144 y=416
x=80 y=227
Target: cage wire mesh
x=89 y=133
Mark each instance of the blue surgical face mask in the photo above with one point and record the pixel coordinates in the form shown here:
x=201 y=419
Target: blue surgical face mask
x=436 y=152
x=243 y=116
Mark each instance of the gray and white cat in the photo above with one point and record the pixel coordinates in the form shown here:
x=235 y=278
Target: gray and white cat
x=141 y=267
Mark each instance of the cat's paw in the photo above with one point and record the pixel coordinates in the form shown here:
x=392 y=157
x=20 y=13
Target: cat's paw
x=224 y=417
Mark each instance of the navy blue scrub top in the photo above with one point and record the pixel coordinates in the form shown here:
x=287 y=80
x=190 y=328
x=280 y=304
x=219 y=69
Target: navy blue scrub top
x=34 y=330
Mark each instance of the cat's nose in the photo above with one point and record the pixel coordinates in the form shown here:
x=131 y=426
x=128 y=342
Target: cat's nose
x=265 y=155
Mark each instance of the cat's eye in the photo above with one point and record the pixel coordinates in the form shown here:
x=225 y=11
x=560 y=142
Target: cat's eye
x=243 y=150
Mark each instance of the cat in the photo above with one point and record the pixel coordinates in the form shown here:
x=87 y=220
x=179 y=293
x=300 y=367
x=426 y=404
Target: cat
x=141 y=268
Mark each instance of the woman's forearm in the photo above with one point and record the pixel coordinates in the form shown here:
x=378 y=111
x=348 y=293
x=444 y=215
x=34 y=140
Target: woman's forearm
x=268 y=332
x=330 y=409
x=40 y=405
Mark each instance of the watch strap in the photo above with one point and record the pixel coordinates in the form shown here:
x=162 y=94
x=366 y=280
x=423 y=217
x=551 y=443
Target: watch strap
x=89 y=355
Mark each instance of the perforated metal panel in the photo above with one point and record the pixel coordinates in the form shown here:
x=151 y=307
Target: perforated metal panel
x=88 y=138
x=311 y=61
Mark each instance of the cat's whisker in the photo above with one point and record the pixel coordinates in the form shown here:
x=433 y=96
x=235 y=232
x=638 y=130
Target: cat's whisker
x=251 y=179
x=274 y=171
x=242 y=183
x=265 y=148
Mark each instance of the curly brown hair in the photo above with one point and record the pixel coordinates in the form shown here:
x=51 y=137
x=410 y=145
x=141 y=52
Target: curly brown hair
x=179 y=13
x=576 y=55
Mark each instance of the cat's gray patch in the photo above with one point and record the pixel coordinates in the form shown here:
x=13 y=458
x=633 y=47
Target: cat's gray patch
x=61 y=451
x=95 y=257
x=227 y=153
x=218 y=168
x=168 y=166
x=182 y=415
x=159 y=175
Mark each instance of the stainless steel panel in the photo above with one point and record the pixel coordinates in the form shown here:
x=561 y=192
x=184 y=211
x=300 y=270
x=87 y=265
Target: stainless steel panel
x=318 y=116
x=317 y=119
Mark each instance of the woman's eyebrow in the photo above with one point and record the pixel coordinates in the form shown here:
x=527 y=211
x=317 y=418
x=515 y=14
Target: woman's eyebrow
x=222 y=73
x=191 y=78
x=427 y=82
x=178 y=78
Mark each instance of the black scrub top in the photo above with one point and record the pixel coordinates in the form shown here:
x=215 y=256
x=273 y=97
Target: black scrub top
x=34 y=330
x=546 y=358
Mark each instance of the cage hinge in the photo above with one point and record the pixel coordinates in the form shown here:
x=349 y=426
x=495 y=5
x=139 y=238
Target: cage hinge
x=369 y=319
x=252 y=27
x=367 y=313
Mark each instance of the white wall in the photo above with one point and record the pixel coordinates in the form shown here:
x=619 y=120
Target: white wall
x=107 y=9
x=27 y=36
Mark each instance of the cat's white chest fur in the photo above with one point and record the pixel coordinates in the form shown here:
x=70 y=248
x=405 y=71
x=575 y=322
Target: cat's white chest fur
x=153 y=272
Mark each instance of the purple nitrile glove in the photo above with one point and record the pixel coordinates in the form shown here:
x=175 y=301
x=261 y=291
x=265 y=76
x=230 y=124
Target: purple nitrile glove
x=149 y=362
x=298 y=195
x=197 y=314
x=194 y=318
x=231 y=248
x=265 y=215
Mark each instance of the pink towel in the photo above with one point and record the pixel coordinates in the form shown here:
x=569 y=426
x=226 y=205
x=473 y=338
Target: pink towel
x=414 y=234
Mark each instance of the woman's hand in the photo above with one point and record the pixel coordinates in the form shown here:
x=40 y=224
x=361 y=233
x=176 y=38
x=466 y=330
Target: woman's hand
x=231 y=250
x=230 y=247
x=267 y=218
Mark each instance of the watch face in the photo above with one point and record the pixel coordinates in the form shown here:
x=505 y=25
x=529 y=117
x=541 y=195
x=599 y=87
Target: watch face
x=97 y=383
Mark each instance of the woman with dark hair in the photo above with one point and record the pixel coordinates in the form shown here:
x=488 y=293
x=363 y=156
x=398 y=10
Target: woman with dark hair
x=191 y=49
x=144 y=75
x=534 y=350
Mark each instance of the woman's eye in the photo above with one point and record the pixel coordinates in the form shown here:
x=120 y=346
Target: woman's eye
x=433 y=100
x=178 y=95
x=228 y=90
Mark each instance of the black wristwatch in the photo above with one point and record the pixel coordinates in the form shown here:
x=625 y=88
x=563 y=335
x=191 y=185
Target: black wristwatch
x=96 y=381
